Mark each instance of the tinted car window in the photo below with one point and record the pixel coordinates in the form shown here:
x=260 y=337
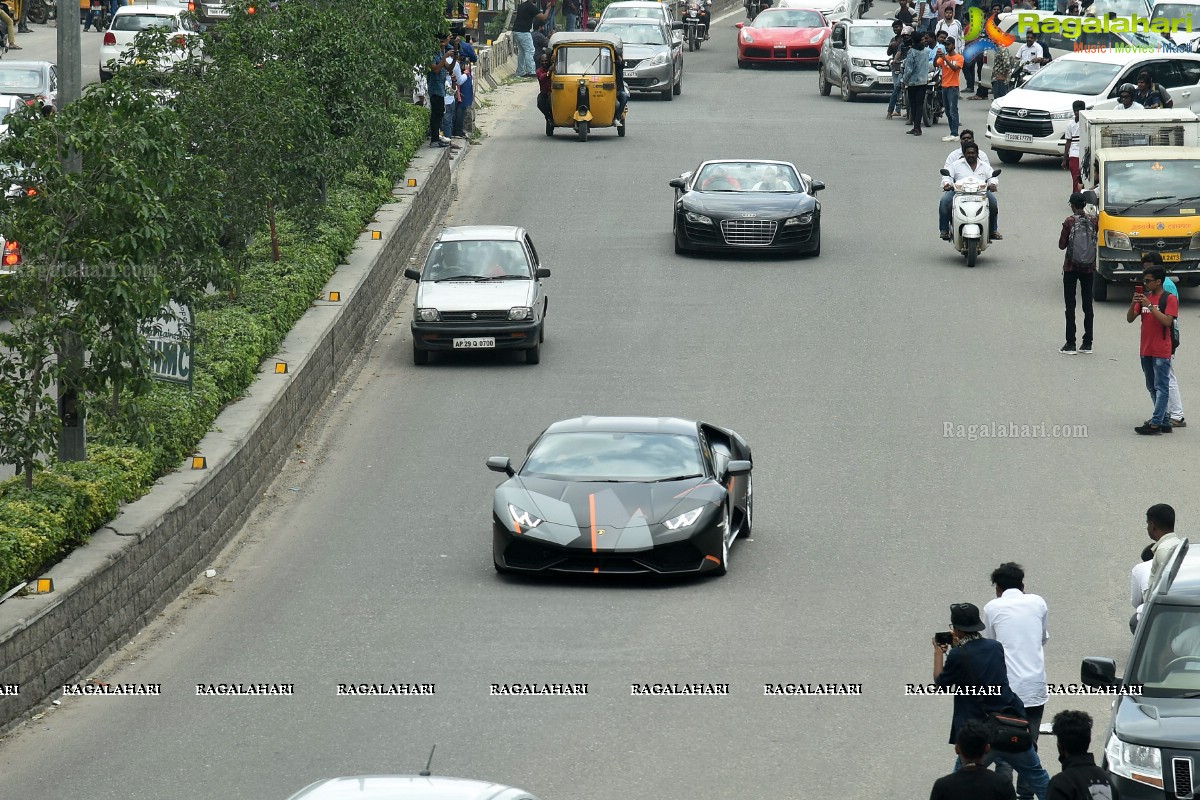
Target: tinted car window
x=142 y=22
x=1190 y=72
x=871 y=36
x=595 y=455
x=1177 y=74
x=13 y=81
x=1168 y=661
x=1155 y=68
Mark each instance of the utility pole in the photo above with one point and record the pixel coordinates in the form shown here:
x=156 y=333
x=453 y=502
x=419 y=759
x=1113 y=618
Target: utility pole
x=72 y=442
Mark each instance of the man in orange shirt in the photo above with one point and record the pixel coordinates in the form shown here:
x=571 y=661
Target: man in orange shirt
x=951 y=64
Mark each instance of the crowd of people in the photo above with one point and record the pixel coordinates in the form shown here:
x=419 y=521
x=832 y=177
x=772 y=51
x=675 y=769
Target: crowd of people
x=447 y=84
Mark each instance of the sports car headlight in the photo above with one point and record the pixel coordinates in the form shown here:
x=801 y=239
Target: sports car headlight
x=657 y=61
x=818 y=36
x=748 y=37
x=520 y=312
x=861 y=62
x=692 y=216
x=803 y=219
x=684 y=519
x=523 y=519
x=1134 y=761
x=1117 y=241
x=428 y=315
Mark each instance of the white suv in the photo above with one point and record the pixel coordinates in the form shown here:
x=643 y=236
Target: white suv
x=1033 y=119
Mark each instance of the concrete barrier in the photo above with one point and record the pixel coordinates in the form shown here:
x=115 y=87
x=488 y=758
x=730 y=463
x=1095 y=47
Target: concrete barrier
x=110 y=589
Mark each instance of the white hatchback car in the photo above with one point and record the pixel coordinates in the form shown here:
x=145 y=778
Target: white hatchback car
x=1033 y=119
x=832 y=9
x=133 y=19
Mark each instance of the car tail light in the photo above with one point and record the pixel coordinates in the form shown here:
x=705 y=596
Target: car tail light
x=30 y=191
x=192 y=6
x=251 y=10
x=12 y=254
x=110 y=39
x=181 y=42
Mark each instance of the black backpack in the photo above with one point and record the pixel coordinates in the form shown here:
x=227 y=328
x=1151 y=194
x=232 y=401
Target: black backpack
x=1162 y=306
x=1081 y=243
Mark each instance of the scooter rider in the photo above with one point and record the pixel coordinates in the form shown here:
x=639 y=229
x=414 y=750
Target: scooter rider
x=965 y=135
x=968 y=166
x=1033 y=55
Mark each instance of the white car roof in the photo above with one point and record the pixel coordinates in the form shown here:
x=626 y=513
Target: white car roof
x=152 y=10
x=407 y=787
x=486 y=233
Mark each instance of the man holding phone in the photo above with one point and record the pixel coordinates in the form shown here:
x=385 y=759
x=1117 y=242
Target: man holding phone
x=1156 y=350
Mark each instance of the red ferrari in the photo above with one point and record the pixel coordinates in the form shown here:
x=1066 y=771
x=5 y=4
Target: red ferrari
x=783 y=36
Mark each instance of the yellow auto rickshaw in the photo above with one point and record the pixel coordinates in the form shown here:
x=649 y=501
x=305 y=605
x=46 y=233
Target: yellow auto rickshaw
x=583 y=82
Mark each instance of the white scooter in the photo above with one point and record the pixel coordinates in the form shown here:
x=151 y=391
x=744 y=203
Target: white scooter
x=969 y=217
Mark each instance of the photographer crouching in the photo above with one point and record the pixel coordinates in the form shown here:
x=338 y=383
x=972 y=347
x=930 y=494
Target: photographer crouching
x=975 y=668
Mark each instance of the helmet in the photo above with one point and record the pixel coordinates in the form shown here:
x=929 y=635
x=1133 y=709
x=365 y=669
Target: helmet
x=1126 y=88
x=907 y=30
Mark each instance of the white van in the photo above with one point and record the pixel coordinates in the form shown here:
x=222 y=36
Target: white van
x=1033 y=119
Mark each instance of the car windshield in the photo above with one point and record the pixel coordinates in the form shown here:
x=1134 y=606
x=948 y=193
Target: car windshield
x=1176 y=11
x=1122 y=8
x=1146 y=188
x=733 y=176
x=476 y=260
x=142 y=22
x=583 y=60
x=1168 y=662
x=788 y=18
x=623 y=12
x=19 y=80
x=633 y=33
x=871 y=36
x=605 y=456
x=1083 y=76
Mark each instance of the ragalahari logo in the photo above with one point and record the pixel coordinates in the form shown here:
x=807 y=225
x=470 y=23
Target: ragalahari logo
x=983 y=35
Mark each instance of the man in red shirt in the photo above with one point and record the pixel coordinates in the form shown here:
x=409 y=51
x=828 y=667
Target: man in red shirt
x=1156 y=344
x=543 y=78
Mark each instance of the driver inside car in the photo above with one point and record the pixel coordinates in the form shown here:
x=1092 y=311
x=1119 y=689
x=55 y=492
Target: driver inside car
x=720 y=180
x=773 y=181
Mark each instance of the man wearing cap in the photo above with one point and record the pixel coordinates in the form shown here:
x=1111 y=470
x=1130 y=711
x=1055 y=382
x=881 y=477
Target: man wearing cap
x=1125 y=98
x=973 y=661
x=1077 y=272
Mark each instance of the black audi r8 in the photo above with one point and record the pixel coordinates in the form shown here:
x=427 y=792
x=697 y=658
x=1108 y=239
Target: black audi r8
x=624 y=495
x=748 y=205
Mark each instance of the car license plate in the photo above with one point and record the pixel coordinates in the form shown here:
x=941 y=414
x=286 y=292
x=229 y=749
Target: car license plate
x=473 y=344
x=1018 y=137
x=1170 y=258
x=631 y=73
x=885 y=79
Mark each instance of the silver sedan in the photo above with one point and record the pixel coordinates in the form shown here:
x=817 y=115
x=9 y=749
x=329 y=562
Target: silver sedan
x=653 y=55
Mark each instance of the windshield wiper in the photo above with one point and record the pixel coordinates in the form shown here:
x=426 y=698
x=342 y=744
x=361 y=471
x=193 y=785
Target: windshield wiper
x=506 y=278
x=1178 y=202
x=1142 y=203
x=675 y=478
x=471 y=278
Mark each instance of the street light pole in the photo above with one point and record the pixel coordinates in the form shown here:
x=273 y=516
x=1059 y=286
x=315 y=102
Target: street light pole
x=72 y=442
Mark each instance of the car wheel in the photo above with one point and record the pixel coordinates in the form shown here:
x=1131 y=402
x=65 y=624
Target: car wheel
x=669 y=93
x=844 y=88
x=542 y=332
x=581 y=129
x=1009 y=156
x=823 y=82
x=817 y=250
x=534 y=354
x=1099 y=288
x=420 y=357
x=745 y=530
x=742 y=64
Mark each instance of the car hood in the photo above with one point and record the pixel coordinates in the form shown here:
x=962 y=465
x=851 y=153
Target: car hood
x=460 y=296
x=1046 y=101
x=1159 y=721
x=761 y=203
x=637 y=52
x=789 y=35
x=625 y=511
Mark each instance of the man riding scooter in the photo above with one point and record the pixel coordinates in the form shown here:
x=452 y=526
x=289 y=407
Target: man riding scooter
x=968 y=166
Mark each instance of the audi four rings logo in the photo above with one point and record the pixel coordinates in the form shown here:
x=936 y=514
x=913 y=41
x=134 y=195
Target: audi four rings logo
x=1022 y=112
x=749 y=215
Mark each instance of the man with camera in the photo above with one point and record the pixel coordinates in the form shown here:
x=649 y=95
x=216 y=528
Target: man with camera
x=975 y=667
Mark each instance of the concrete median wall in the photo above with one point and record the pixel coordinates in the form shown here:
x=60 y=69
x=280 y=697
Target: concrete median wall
x=110 y=589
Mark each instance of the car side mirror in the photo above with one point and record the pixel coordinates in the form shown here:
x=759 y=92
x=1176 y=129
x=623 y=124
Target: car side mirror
x=735 y=469
x=412 y=274
x=501 y=464
x=945 y=172
x=838 y=45
x=1098 y=672
x=541 y=272
x=996 y=173
x=739 y=25
x=677 y=183
x=676 y=26
x=818 y=185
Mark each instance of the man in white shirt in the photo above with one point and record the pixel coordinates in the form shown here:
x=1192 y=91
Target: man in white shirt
x=1139 y=579
x=1071 y=147
x=964 y=136
x=1032 y=55
x=952 y=27
x=1160 y=526
x=967 y=166
x=1125 y=100
x=1019 y=621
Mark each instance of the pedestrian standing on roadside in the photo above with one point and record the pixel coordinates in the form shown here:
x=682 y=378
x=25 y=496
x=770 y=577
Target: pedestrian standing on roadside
x=1020 y=622
x=974 y=781
x=897 y=49
x=571 y=10
x=905 y=14
x=1004 y=66
x=928 y=12
x=952 y=27
x=435 y=76
x=951 y=65
x=1139 y=581
x=547 y=7
x=1077 y=240
x=1158 y=310
x=526 y=14
x=1071 y=149
x=915 y=76
x=466 y=97
x=1160 y=526
x=1081 y=778
x=1174 y=399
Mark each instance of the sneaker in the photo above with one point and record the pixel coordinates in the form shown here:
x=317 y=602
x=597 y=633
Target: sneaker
x=996 y=235
x=1087 y=348
x=1068 y=349
x=945 y=236
x=439 y=144
x=1166 y=428
x=950 y=138
x=1146 y=429
x=1178 y=423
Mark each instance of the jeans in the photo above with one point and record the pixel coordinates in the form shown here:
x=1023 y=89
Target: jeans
x=448 y=117
x=894 y=102
x=112 y=9
x=999 y=89
x=1158 y=382
x=916 y=102
x=1085 y=280
x=437 y=110
x=460 y=117
x=524 y=53
x=572 y=21
x=1005 y=770
x=1027 y=765
x=945 y=206
x=622 y=101
x=1174 y=401
x=975 y=68
x=950 y=103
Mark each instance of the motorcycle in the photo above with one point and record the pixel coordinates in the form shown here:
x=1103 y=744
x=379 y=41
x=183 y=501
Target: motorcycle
x=1023 y=74
x=100 y=15
x=970 y=217
x=39 y=11
x=933 y=110
x=695 y=24
x=753 y=7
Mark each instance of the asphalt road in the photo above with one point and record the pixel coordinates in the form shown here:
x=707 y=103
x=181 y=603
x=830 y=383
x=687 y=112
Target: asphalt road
x=371 y=559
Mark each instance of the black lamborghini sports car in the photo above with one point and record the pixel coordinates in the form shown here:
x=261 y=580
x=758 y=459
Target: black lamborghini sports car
x=624 y=495
x=747 y=205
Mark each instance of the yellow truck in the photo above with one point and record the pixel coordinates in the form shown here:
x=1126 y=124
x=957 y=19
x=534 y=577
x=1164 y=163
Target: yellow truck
x=1142 y=169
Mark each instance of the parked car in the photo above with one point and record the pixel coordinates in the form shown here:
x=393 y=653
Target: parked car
x=30 y=81
x=854 y=58
x=408 y=787
x=480 y=289
x=832 y=10
x=208 y=12
x=9 y=104
x=1033 y=119
x=782 y=36
x=653 y=55
x=129 y=21
x=667 y=13
x=1152 y=750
